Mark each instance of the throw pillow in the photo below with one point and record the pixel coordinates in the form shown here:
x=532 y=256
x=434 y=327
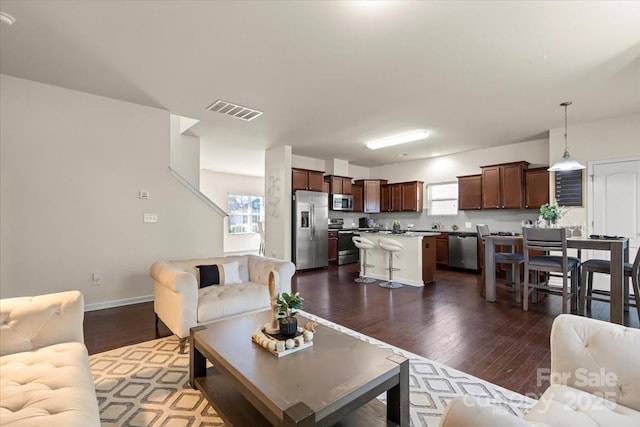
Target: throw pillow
x=231 y=272
x=210 y=275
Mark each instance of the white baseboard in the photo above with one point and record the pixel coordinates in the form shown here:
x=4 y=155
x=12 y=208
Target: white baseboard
x=117 y=303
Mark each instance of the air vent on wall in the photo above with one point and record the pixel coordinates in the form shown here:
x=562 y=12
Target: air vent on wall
x=234 y=110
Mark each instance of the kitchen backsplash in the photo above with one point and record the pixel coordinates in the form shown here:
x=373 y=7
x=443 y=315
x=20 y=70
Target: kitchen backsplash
x=497 y=220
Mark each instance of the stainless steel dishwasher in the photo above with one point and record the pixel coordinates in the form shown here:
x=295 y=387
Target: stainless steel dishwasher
x=463 y=250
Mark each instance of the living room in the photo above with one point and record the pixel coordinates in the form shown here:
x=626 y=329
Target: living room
x=86 y=128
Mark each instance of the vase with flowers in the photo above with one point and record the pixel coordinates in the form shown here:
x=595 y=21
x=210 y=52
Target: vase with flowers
x=551 y=213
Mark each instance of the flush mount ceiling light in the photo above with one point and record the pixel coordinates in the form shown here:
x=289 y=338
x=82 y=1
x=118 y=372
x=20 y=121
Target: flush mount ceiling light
x=415 y=135
x=7 y=19
x=566 y=163
x=234 y=110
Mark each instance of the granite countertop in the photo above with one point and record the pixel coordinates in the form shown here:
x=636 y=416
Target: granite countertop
x=405 y=233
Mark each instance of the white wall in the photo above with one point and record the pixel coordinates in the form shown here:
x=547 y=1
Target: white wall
x=446 y=168
x=71 y=168
x=602 y=140
x=311 y=163
x=217 y=186
x=227 y=157
x=277 y=202
x=185 y=153
x=359 y=172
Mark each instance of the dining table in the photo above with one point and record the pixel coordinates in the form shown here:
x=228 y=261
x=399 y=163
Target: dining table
x=618 y=248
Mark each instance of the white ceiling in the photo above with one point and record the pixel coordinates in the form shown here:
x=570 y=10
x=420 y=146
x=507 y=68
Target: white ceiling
x=331 y=75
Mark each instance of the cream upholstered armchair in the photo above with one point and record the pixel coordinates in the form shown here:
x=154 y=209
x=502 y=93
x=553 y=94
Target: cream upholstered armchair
x=181 y=299
x=595 y=382
x=45 y=378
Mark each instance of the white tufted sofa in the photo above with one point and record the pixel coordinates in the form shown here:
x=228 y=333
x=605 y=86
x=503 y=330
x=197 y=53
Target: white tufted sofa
x=180 y=304
x=595 y=382
x=44 y=366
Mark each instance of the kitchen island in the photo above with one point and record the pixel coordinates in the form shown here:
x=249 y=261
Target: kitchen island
x=416 y=260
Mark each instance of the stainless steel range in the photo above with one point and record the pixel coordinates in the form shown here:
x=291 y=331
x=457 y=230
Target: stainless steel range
x=347 y=251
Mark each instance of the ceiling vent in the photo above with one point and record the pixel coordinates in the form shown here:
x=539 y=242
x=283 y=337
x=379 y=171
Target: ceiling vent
x=234 y=110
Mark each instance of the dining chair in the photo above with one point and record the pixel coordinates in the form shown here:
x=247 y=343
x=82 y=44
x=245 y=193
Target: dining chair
x=604 y=266
x=513 y=258
x=550 y=240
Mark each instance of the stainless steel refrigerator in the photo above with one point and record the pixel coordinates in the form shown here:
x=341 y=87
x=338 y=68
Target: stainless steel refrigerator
x=310 y=230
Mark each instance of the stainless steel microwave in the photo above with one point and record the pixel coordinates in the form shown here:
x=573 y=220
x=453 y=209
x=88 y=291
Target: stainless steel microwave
x=341 y=202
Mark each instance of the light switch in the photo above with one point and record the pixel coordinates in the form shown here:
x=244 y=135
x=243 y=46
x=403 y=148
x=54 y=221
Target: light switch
x=150 y=217
x=97 y=279
x=144 y=194
x=467 y=225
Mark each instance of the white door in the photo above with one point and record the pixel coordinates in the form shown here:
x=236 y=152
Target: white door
x=616 y=206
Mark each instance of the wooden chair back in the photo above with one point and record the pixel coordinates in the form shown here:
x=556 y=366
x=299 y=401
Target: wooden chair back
x=544 y=240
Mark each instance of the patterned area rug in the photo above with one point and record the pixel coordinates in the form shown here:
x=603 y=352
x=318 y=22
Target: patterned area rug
x=147 y=385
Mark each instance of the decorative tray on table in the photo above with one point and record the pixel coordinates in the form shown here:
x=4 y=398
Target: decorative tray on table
x=281 y=345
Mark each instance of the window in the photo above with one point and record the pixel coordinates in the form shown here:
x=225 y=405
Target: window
x=245 y=212
x=443 y=198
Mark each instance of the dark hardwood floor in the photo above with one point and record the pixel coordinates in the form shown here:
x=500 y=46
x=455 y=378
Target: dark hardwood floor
x=446 y=321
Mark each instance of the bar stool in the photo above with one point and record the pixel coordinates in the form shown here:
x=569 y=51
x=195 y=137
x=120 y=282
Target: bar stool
x=390 y=246
x=364 y=245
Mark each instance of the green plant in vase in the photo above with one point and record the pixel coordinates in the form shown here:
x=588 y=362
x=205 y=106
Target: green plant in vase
x=396 y=226
x=551 y=212
x=288 y=306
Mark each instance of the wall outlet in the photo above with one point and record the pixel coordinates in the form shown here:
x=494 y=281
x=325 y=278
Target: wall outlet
x=467 y=225
x=150 y=217
x=97 y=279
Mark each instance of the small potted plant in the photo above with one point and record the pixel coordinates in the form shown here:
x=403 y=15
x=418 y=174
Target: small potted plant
x=551 y=213
x=288 y=306
x=396 y=227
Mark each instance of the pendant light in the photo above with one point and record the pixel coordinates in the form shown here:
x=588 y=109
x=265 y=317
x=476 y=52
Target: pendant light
x=566 y=163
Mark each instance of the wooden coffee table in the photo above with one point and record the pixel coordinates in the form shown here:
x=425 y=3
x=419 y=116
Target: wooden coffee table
x=334 y=382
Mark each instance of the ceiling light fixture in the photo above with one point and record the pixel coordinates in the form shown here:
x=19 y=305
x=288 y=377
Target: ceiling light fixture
x=7 y=19
x=566 y=163
x=435 y=154
x=398 y=139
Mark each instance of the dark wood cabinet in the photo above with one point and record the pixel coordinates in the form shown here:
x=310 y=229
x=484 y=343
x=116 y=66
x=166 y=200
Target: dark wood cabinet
x=428 y=258
x=442 y=249
x=412 y=195
x=403 y=196
x=358 y=197
x=396 y=198
x=469 y=192
x=339 y=184
x=371 y=194
x=503 y=186
x=536 y=188
x=304 y=179
x=325 y=187
x=385 y=198
x=333 y=247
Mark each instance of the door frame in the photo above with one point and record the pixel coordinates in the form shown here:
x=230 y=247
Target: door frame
x=590 y=189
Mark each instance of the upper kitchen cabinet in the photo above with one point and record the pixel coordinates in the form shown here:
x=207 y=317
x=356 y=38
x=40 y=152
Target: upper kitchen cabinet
x=304 y=179
x=536 y=188
x=390 y=197
x=371 y=194
x=412 y=195
x=470 y=192
x=404 y=196
x=358 y=197
x=338 y=184
x=503 y=186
